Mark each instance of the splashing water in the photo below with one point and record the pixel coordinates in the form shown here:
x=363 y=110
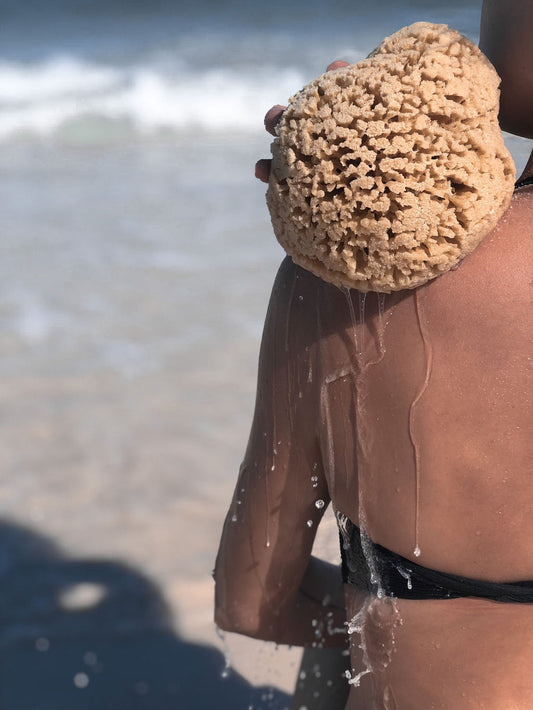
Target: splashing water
x=224 y=673
x=357 y=626
x=406 y=575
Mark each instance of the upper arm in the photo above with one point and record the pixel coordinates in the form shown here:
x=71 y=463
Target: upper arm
x=271 y=524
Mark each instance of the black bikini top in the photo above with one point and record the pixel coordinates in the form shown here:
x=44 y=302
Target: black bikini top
x=524 y=182
x=396 y=576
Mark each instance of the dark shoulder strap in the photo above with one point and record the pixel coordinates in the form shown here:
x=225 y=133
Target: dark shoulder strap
x=524 y=182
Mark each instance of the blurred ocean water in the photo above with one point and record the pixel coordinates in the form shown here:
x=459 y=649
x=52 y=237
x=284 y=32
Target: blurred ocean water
x=200 y=66
x=127 y=131
x=137 y=258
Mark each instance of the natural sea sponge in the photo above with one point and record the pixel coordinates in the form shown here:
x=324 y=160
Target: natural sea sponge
x=386 y=173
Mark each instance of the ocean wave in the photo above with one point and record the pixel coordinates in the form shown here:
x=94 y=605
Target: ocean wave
x=43 y=98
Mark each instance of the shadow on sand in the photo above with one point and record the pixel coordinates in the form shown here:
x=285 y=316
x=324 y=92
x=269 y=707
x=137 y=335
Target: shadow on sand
x=97 y=635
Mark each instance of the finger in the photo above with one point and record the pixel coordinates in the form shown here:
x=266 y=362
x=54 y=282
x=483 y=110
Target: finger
x=262 y=169
x=272 y=117
x=337 y=64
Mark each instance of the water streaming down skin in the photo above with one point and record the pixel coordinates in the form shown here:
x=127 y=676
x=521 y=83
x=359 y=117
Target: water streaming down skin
x=274 y=393
x=309 y=367
x=358 y=623
x=287 y=333
x=348 y=296
x=362 y=365
x=428 y=355
x=362 y=304
x=382 y=324
x=267 y=494
x=224 y=673
x=326 y=415
x=389 y=701
x=243 y=472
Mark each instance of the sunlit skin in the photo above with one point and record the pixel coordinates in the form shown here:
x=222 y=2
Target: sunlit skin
x=473 y=430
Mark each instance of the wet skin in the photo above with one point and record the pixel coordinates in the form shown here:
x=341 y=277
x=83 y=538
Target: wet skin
x=473 y=429
x=335 y=403
x=324 y=410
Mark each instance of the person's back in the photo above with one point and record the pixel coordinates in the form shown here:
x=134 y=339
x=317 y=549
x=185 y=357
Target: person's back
x=430 y=392
x=411 y=412
x=442 y=436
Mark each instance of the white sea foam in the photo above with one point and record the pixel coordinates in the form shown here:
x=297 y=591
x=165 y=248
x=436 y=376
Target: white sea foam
x=22 y=84
x=42 y=98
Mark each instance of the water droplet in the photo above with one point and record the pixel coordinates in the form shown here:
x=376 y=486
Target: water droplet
x=233 y=518
x=319 y=503
x=141 y=688
x=81 y=680
x=90 y=658
x=416 y=551
x=81 y=596
x=273 y=467
x=267 y=544
x=309 y=523
x=227 y=656
x=300 y=298
x=302 y=675
x=42 y=644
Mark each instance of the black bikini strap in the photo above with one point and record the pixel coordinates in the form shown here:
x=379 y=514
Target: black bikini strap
x=524 y=182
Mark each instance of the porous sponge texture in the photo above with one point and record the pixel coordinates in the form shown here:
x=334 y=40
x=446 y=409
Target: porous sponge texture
x=386 y=173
